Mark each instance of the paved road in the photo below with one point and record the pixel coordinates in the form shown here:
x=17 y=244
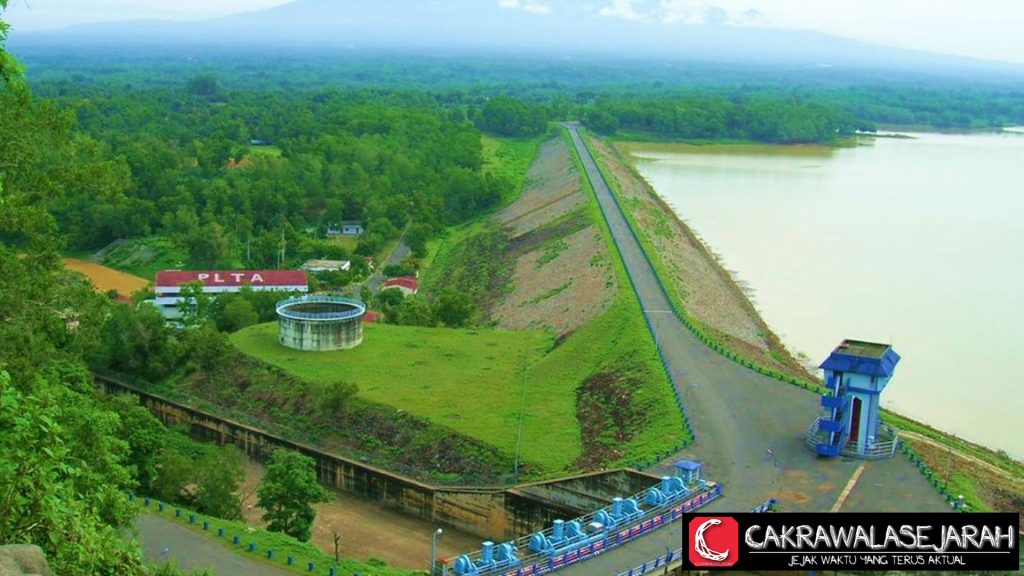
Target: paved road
x=400 y=252
x=192 y=551
x=739 y=415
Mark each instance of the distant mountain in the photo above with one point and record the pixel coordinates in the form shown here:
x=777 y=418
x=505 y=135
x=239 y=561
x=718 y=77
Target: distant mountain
x=482 y=25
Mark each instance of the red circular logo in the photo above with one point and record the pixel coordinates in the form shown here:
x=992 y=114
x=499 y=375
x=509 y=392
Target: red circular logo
x=714 y=541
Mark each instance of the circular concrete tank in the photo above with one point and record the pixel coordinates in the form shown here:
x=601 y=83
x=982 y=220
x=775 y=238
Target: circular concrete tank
x=320 y=323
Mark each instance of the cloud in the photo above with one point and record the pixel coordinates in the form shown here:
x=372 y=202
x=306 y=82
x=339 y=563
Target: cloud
x=537 y=7
x=531 y=6
x=698 y=12
x=625 y=9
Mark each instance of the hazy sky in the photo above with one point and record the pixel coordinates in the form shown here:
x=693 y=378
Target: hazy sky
x=991 y=29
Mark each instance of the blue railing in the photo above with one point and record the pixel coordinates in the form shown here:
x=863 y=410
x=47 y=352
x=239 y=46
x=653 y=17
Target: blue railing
x=659 y=562
x=546 y=563
x=356 y=308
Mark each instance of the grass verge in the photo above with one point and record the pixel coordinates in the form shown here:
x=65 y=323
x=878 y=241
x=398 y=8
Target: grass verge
x=510 y=158
x=665 y=433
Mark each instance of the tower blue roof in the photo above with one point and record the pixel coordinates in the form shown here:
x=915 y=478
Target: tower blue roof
x=688 y=465
x=860 y=357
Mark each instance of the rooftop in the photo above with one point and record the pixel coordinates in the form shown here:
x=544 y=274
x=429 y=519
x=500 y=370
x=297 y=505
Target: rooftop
x=861 y=357
x=688 y=465
x=254 y=278
x=862 y=349
x=409 y=282
x=340 y=264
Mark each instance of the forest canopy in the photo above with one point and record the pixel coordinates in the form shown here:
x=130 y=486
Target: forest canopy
x=215 y=169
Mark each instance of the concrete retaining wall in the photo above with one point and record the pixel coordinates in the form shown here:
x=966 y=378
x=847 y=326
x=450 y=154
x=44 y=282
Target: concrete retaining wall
x=320 y=335
x=492 y=513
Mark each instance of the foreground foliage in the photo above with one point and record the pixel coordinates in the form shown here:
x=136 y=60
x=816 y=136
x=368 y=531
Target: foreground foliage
x=68 y=456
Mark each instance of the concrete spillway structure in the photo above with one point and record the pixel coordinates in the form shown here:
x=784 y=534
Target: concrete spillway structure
x=320 y=323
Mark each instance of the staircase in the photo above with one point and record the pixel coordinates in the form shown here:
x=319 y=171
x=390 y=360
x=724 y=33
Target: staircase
x=826 y=435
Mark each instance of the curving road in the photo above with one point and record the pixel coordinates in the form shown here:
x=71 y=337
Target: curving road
x=165 y=540
x=750 y=428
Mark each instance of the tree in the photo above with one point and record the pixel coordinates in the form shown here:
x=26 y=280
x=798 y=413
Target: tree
x=207 y=347
x=509 y=117
x=137 y=341
x=143 y=432
x=415 y=311
x=453 y=308
x=218 y=479
x=175 y=471
x=416 y=239
x=64 y=479
x=65 y=470
x=196 y=306
x=203 y=85
x=287 y=493
x=236 y=312
x=601 y=121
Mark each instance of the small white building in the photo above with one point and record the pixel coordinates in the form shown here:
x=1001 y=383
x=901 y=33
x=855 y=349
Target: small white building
x=327 y=266
x=346 y=228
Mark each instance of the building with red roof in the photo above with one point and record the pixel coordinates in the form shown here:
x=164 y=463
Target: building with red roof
x=407 y=284
x=169 y=282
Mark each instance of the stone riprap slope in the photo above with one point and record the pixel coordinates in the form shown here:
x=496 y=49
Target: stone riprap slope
x=708 y=292
x=562 y=272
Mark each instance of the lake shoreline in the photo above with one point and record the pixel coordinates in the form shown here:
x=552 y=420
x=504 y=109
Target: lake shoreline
x=963 y=448
x=726 y=312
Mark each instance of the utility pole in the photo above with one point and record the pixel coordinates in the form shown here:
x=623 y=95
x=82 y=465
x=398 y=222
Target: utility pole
x=522 y=409
x=433 y=550
x=281 y=252
x=949 y=464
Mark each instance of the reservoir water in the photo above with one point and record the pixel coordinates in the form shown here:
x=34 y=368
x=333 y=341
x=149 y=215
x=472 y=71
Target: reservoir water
x=917 y=242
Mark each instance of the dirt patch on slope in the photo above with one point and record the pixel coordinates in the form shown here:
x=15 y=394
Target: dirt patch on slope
x=562 y=274
x=560 y=285
x=711 y=295
x=553 y=190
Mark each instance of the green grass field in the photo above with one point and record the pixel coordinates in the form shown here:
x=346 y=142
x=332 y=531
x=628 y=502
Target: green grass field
x=144 y=257
x=468 y=380
x=472 y=381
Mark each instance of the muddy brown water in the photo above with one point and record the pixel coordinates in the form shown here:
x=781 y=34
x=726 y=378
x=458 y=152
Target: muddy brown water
x=911 y=241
